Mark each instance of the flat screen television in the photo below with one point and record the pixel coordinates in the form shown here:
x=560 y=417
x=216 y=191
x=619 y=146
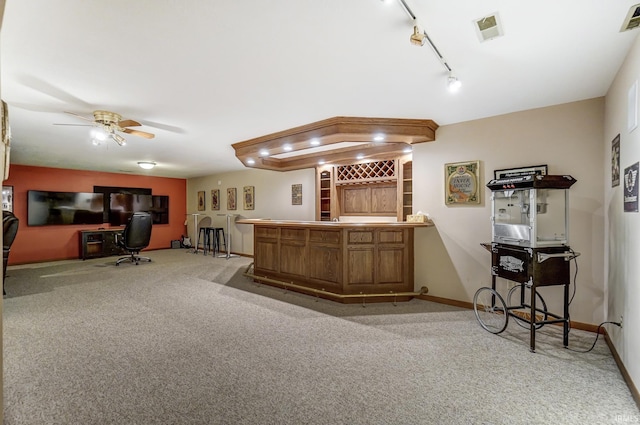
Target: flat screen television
x=123 y=205
x=53 y=208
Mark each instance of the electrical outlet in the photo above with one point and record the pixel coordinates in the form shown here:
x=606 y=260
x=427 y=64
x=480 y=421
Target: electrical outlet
x=621 y=317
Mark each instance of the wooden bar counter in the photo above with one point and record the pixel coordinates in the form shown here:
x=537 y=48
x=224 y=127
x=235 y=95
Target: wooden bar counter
x=345 y=262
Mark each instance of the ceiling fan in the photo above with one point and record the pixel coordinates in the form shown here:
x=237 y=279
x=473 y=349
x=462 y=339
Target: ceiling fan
x=109 y=124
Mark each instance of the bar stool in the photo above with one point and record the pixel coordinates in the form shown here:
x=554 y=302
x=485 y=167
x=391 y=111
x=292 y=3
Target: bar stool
x=209 y=239
x=217 y=231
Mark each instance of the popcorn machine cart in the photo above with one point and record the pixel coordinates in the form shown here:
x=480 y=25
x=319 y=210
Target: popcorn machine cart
x=530 y=246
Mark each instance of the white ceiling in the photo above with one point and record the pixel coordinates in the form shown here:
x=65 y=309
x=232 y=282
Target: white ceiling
x=202 y=75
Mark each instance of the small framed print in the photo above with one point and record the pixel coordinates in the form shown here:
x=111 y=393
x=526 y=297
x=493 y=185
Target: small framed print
x=631 y=188
x=615 y=161
x=248 y=197
x=461 y=183
x=201 y=204
x=215 y=199
x=231 y=198
x=296 y=194
x=7 y=198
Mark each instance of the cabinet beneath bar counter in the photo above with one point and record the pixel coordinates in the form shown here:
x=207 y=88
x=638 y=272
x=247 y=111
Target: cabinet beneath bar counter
x=336 y=260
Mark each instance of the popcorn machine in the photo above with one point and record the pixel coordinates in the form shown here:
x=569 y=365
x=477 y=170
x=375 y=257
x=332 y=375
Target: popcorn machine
x=530 y=246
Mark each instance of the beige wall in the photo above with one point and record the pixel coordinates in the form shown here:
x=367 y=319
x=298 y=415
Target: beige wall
x=622 y=238
x=272 y=200
x=568 y=138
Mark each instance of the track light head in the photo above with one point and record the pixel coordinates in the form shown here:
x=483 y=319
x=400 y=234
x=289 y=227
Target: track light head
x=453 y=83
x=418 y=38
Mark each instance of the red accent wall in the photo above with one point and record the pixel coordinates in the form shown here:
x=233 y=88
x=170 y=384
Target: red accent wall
x=61 y=242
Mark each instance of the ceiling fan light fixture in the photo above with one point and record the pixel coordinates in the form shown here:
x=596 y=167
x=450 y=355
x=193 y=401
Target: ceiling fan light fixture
x=118 y=139
x=147 y=165
x=99 y=134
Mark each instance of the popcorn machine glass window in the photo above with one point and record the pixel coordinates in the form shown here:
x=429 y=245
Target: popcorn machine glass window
x=531 y=211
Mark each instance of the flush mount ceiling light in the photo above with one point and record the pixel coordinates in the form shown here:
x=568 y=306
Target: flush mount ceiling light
x=147 y=165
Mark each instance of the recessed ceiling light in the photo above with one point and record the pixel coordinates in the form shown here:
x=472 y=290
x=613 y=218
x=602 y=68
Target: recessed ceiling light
x=378 y=137
x=315 y=142
x=321 y=162
x=263 y=152
x=407 y=150
x=251 y=161
x=287 y=148
x=360 y=156
x=147 y=165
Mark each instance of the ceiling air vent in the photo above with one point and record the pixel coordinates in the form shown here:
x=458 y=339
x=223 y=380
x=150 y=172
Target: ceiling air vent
x=488 y=27
x=632 y=20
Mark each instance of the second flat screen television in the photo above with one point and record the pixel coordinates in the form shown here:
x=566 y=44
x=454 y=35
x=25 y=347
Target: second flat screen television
x=123 y=205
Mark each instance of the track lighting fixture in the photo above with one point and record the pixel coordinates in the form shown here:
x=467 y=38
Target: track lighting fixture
x=453 y=83
x=420 y=38
x=147 y=165
x=417 y=38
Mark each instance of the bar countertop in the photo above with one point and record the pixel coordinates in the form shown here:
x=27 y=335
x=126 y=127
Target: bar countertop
x=329 y=224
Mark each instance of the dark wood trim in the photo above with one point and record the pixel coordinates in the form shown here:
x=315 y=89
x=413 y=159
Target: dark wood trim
x=623 y=370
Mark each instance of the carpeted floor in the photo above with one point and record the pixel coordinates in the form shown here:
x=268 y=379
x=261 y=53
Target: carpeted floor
x=187 y=339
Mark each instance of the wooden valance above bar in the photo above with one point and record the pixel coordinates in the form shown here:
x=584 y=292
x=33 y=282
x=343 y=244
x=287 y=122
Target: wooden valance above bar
x=337 y=140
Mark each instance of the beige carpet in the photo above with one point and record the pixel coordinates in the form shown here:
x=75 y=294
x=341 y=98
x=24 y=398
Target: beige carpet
x=187 y=339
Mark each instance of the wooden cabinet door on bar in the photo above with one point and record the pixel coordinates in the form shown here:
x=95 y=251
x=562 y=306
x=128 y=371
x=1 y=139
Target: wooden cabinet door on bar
x=348 y=259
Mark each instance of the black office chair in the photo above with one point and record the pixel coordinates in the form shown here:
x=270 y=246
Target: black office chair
x=9 y=231
x=135 y=237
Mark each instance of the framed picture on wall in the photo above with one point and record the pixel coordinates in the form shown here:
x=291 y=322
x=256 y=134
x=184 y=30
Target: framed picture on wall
x=231 y=198
x=631 y=188
x=615 y=161
x=461 y=183
x=296 y=194
x=248 y=197
x=215 y=199
x=201 y=204
x=7 y=198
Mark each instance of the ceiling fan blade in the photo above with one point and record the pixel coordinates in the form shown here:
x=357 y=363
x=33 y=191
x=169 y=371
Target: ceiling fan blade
x=79 y=116
x=129 y=123
x=139 y=133
x=76 y=125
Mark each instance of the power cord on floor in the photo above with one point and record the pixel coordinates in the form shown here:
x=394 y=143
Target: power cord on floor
x=597 y=335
